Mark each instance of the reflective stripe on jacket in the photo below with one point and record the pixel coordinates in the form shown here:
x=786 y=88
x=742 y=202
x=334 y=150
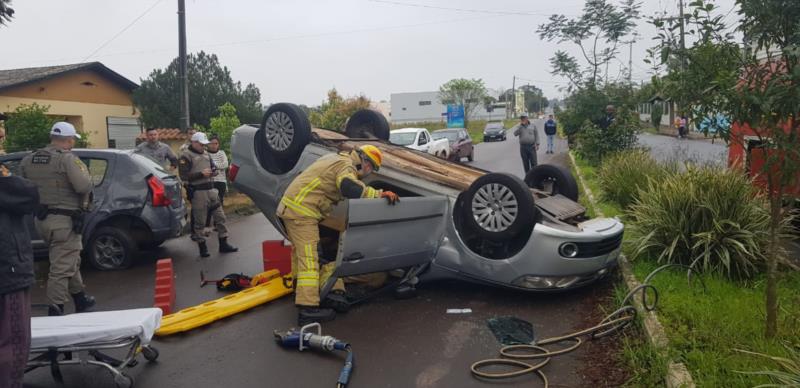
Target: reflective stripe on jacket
x=317 y=189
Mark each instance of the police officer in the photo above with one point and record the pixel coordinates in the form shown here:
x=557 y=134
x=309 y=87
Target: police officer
x=197 y=170
x=65 y=189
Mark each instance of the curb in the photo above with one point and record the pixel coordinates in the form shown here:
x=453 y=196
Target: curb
x=678 y=375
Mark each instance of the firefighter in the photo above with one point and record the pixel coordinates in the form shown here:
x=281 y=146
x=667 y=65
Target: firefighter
x=65 y=189
x=307 y=201
x=197 y=169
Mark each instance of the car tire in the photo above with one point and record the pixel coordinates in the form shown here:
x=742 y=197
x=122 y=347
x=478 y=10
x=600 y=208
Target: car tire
x=367 y=124
x=286 y=130
x=111 y=249
x=482 y=203
x=562 y=180
x=278 y=152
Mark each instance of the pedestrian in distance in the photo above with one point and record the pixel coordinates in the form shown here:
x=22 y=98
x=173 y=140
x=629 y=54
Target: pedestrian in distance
x=197 y=169
x=18 y=198
x=608 y=119
x=550 y=130
x=156 y=150
x=308 y=200
x=682 y=126
x=220 y=160
x=65 y=191
x=528 y=142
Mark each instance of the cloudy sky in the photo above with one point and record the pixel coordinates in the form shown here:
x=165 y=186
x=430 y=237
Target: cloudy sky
x=295 y=50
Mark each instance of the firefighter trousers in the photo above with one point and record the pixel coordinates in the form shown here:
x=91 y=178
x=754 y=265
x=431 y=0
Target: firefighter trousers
x=309 y=277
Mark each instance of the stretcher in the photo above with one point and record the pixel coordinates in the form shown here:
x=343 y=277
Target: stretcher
x=267 y=286
x=80 y=339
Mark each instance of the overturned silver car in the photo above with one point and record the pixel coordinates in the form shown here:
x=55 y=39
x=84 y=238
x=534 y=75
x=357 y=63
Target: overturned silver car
x=453 y=221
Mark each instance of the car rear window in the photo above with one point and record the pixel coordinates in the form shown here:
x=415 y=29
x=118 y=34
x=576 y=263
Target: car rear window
x=151 y=166
x=449 y=135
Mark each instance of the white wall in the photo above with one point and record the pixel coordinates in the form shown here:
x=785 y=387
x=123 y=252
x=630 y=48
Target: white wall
x=425 y=106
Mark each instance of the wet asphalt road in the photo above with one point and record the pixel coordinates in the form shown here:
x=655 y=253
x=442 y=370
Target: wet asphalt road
x=397 y=343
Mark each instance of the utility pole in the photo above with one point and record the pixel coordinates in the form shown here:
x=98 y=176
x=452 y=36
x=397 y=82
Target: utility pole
x=630 y=58
x=184 y=96
x=514 y=96
x=683 y=39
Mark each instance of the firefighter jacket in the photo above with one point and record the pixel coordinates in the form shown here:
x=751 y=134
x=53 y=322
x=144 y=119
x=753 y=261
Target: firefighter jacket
x=317 y=189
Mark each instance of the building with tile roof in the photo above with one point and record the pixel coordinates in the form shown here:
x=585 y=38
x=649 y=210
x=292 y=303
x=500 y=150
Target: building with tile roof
x=95 y=99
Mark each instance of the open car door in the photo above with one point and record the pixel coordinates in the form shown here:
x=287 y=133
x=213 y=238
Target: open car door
x=379 y=237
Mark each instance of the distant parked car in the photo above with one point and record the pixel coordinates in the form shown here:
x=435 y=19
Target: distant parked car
x=460 y=143
x=421 y=140
x=494 y=131
x=137 y=205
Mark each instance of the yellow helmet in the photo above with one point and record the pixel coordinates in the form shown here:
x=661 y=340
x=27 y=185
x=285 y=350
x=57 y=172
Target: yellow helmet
x=373 y=154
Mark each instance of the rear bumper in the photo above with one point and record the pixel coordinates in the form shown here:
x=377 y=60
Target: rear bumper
x=165 y=222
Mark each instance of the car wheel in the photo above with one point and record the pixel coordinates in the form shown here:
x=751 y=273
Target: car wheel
x=111 y=249
x=366 y=124
x=553 y=179
x=499 y=206
x=286 y=130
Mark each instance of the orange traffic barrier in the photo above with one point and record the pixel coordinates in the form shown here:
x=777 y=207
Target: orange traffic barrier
x=164 y=297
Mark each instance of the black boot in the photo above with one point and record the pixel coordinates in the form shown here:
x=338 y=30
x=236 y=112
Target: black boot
x=309 y=314
x=224 y=247
x=55 y=310
x=203 y=249
x=336 y=300
x=83 y=302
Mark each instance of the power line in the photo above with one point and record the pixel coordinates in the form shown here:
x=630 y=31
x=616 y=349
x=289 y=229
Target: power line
x=122 y=30
x=293 y=37
x=484 y=11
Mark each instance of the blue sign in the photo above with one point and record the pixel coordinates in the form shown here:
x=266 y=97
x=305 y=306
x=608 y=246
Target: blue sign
x=455 y=116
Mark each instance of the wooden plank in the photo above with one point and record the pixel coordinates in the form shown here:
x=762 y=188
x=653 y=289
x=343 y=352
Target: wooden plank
x=441 y=171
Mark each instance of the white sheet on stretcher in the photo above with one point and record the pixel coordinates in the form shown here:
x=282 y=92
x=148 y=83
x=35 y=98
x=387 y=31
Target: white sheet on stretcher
x=86 y=328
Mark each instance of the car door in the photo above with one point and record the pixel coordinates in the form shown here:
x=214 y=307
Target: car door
x=379 y=237
x=423 y=143
x=466 y=142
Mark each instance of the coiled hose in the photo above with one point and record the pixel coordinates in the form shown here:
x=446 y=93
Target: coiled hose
x=612 y=323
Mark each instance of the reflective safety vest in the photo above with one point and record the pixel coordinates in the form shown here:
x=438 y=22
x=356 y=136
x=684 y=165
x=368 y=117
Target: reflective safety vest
x=317 y=189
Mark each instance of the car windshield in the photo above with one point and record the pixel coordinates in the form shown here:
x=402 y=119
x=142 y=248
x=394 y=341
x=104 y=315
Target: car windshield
x=151 y=165
x=402 y=138
x=449 y=135
x=493 y=126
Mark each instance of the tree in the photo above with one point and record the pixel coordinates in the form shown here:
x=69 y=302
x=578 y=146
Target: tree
x=224 y=124
x=333 y=113
x=28 y=128
x=597 y=32
x=210 y=86
x=759 y=91
x=6 y=12
x=469 y=93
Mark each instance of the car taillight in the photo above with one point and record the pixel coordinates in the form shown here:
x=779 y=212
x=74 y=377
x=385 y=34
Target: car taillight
x=159 y=195
x=232 y=172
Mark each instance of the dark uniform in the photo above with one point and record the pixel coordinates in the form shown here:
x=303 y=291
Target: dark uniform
x=204 y=199
x=65 y=189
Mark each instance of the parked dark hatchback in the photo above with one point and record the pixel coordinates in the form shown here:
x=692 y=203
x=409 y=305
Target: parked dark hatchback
x=460 y=143
x=137 y=205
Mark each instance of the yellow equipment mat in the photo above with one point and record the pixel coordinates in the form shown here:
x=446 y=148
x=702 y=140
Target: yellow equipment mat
x=271 y=287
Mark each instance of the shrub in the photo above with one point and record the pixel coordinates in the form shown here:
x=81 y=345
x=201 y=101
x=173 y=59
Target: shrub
x=595 y=143
x=709 y=218
x=623 y=174
x=655 y=115
x=28 y=128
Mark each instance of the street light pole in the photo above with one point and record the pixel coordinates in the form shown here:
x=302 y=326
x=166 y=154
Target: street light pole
x=182 y=79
